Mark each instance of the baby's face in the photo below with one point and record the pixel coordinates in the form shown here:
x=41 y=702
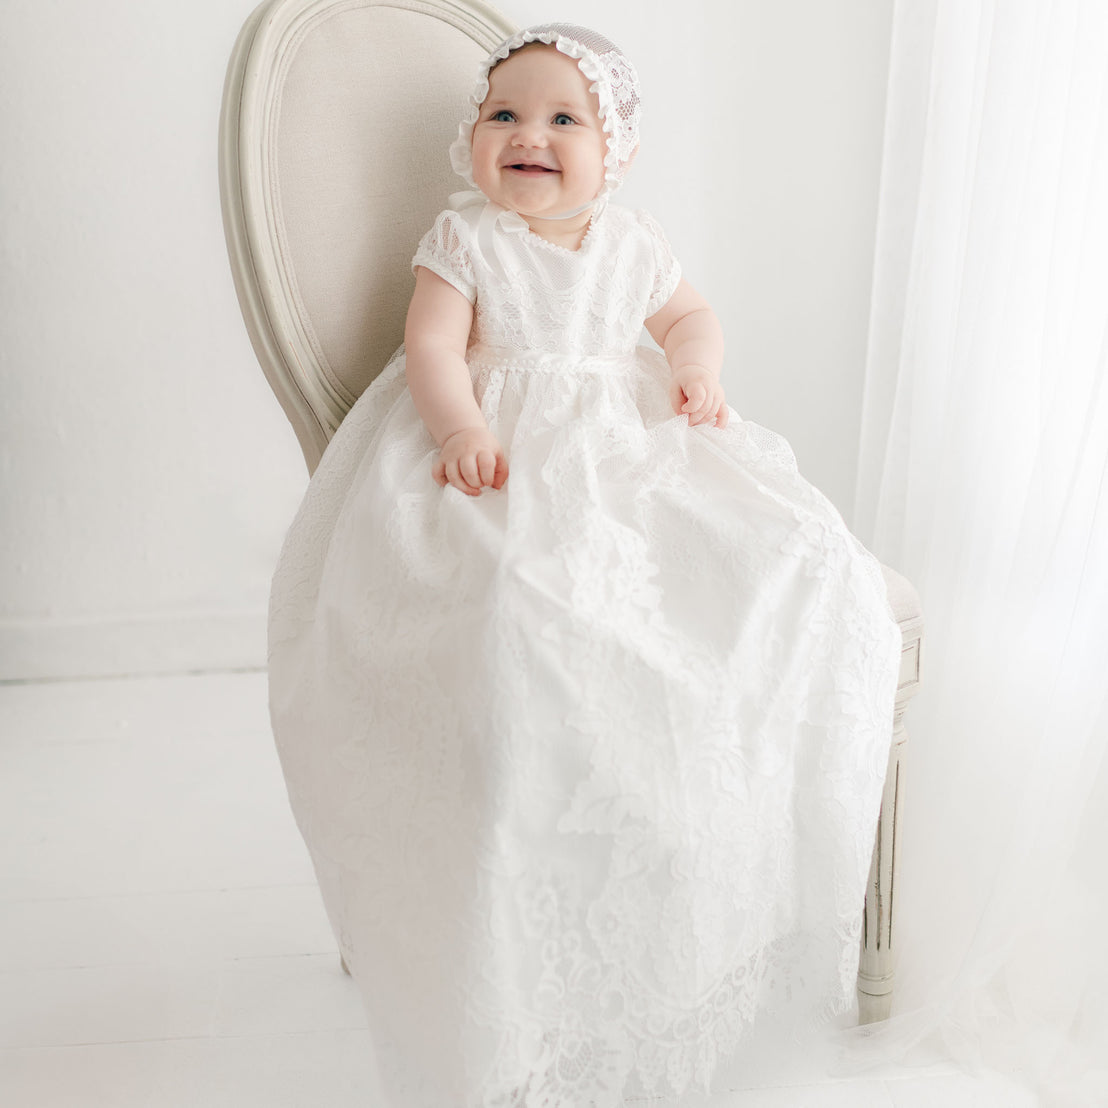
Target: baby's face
x=539 y=144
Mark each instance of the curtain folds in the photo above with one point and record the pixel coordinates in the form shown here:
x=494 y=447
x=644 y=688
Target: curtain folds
x=983 y=477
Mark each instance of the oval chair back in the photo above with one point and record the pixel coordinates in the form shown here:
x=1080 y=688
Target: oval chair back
x=337 y=118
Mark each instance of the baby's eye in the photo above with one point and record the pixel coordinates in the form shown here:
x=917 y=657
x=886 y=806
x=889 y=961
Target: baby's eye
x=561 y=119
x=502 y=116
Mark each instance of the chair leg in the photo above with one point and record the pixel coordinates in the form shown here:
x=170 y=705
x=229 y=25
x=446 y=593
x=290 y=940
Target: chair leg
x=876 y=965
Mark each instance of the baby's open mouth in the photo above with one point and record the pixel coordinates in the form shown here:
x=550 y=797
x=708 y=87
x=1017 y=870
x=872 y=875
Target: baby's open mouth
x=523 y=167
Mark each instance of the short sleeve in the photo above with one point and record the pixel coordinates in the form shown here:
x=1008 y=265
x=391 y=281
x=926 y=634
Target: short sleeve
x=444 y=250
x=667 y=270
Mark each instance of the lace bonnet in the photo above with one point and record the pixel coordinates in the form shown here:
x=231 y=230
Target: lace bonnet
x=613 y=79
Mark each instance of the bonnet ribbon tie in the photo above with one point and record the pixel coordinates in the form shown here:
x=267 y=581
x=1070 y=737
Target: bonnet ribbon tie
x=492 y=216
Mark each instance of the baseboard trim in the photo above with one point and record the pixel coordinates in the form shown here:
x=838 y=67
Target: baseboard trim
x=46 y=650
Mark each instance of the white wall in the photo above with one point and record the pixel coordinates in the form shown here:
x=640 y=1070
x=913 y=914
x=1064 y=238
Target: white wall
x=148 y=475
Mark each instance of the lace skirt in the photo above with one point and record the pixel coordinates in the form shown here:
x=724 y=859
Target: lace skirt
x=589 y=767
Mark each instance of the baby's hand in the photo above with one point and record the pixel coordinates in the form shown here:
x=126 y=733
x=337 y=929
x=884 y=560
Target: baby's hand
x=470 y=459
x=696 y=392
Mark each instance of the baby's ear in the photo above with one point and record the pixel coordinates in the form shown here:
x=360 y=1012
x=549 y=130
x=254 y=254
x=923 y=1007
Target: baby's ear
x=631 y=160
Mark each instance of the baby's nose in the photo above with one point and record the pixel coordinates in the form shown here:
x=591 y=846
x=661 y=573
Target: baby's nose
x=528 y=133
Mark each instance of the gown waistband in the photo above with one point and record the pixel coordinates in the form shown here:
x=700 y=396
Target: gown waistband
x=484 y=357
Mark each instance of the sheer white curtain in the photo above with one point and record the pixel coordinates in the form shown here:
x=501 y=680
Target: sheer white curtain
x=984 y=478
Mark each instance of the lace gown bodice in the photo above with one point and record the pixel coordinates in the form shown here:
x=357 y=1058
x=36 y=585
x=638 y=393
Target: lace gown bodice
x=536 y=298
x=589 y=766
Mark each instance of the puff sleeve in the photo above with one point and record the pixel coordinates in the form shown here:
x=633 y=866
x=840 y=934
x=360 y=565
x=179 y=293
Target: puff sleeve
x=667 y=270
x=445 y=251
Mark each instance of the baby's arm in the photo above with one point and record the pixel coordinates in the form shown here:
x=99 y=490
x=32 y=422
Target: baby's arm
x=688 y=331
x=435 y=338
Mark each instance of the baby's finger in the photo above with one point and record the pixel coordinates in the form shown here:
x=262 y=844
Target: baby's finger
x=501 y=473
x=438 y=472
x=717 y=407
x=486 y=467
x=706 y=412
x=454 y=474
x=467 y=466
x=696 y=394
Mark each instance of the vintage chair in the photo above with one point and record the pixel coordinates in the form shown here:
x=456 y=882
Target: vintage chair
x=337 y=115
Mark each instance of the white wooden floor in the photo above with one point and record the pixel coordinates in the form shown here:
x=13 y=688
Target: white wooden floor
x=162 y=943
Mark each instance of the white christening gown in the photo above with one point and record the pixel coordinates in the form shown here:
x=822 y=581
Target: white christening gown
x=589 y=767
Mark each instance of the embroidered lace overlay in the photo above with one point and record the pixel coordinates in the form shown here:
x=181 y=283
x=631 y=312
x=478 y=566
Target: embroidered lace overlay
x=589 y=767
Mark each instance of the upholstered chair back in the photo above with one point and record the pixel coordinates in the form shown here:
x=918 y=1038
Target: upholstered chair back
x=337 y=118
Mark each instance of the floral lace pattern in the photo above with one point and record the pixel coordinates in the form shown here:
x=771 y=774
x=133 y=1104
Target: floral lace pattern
x=590 y=767
x=538 y=297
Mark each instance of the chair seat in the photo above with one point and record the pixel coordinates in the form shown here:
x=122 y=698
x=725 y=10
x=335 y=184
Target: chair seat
x=903 y=598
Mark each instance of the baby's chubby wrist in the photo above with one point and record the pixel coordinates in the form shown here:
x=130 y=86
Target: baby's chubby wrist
x=476 y=429
x=692 y=370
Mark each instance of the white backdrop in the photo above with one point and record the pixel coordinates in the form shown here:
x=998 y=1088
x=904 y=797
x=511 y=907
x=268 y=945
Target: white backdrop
x=148 y=474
